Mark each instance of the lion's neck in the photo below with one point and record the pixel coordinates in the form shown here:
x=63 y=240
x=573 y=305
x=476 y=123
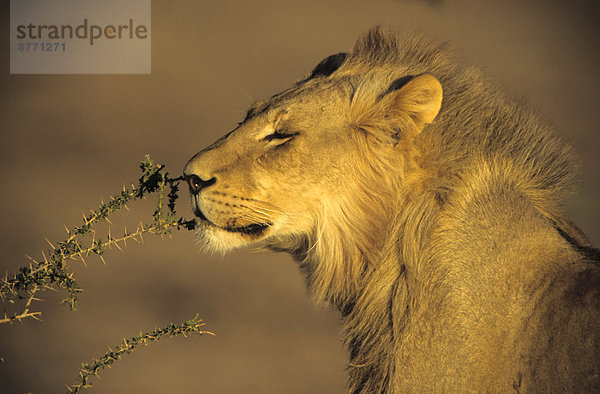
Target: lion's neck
x=364 y=258
x=375 y=264
x=372 y=276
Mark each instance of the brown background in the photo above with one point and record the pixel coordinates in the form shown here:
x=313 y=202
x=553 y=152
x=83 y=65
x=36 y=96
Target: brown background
x=69 y=140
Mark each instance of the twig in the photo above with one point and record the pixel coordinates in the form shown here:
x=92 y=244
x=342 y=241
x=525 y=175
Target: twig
x=190 y=327
x=51 y=272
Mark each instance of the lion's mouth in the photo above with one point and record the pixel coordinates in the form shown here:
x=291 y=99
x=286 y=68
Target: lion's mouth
x=251 y=229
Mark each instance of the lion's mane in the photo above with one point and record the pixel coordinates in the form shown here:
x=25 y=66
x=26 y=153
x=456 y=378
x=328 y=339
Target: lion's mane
x=372 y=252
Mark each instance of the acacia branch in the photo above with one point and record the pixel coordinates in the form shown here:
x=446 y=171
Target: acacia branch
x=51 y=272
x=190 y=327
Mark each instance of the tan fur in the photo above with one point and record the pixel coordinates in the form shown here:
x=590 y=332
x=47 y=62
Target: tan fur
x=423 y=204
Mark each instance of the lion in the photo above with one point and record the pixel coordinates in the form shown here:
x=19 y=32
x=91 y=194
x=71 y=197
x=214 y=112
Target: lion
x=424 y=204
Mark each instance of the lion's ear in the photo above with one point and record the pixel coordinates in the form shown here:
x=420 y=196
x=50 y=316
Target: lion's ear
x=420 y=98
x=328 y=65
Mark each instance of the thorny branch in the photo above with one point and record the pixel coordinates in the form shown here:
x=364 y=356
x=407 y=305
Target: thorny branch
x=192 y=326
x=52 y=270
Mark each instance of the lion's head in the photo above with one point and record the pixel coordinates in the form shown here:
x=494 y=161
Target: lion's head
x=328 y=169
x=311 y=154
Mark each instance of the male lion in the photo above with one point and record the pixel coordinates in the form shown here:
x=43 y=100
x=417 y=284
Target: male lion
x=424 y=205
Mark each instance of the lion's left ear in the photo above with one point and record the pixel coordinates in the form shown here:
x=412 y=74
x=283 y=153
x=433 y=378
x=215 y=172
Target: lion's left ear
x=420 y=98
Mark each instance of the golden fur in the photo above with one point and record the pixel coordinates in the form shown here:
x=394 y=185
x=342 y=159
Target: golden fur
x=425 y=205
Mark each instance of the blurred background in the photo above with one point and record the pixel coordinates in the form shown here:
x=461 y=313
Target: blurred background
x=68 y=140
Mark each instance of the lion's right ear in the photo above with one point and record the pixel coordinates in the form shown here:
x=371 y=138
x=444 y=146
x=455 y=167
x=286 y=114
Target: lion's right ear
x=420 y=99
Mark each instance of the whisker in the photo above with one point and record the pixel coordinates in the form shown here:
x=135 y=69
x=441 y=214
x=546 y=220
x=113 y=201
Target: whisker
x=252 y=217
x=261 y=213
x=273 y=211
x=265 y=205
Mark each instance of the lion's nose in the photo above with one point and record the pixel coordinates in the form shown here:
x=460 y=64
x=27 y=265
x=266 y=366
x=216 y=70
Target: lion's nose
x=196 y=183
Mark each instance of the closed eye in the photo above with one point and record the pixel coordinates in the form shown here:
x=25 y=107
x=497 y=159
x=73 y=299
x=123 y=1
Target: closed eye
x=278 y=136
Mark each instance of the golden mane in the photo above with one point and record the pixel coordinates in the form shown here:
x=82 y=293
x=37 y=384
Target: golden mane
x=513 y=141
